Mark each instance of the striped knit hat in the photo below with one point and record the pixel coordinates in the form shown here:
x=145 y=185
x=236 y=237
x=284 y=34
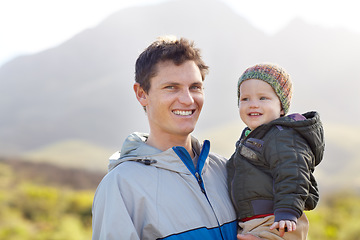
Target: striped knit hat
x=274 y=75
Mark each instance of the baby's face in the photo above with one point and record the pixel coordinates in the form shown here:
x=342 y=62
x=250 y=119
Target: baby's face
x=258 y=103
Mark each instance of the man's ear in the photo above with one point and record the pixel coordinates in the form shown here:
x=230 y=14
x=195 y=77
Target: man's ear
x=140 y=94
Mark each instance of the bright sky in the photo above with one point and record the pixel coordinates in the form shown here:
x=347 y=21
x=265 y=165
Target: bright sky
x=29 y=26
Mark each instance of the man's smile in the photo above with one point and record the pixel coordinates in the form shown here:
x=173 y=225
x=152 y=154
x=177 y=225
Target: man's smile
x=183 y=113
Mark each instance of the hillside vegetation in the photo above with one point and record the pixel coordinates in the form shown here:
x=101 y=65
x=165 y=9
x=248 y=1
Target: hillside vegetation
x=42 y=202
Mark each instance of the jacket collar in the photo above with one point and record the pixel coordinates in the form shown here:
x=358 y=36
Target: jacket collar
x=136 y=149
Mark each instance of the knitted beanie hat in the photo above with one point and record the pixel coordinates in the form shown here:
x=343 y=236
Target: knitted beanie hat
x=274 y=75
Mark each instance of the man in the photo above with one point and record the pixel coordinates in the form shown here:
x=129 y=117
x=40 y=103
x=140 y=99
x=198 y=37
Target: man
x=166 y=184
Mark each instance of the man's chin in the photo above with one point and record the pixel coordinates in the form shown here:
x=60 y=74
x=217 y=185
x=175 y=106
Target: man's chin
x=186 y=131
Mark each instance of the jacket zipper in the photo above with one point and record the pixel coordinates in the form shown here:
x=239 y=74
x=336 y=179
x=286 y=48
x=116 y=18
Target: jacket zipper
x=182 y=153
x=200 y=182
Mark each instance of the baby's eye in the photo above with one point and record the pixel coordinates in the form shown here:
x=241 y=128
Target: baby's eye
x=263 y=98
x=244 y=99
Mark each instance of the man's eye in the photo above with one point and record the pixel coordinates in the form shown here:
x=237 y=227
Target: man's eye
x=169 y=87
x=196 y=88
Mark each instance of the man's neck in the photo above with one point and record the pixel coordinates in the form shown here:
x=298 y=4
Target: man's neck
x=165 y=142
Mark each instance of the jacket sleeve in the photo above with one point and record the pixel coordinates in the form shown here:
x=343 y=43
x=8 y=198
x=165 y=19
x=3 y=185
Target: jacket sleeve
x=289 y=157
x=111 y=219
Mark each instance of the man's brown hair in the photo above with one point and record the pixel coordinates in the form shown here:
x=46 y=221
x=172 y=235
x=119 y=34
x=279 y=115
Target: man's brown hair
x=166 y=49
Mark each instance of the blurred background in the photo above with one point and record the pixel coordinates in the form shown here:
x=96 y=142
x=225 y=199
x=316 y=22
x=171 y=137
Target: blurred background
x=66 y=98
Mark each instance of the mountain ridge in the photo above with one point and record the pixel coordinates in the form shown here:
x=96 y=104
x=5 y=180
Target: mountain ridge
x=82 y=89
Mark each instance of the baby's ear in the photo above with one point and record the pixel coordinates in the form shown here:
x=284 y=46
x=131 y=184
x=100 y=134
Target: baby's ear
x=282 y=113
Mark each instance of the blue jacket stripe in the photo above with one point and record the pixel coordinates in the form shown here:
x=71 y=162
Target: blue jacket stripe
x=226 y=232
x=203 y=155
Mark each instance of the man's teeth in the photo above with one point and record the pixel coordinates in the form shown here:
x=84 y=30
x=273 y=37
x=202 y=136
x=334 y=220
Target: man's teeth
x=254 y=114
x=183 y=113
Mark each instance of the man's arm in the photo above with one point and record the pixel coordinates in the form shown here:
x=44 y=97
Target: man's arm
x=111 y=220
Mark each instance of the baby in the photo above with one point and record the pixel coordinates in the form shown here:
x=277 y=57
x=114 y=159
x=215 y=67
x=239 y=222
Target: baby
x=270 y=175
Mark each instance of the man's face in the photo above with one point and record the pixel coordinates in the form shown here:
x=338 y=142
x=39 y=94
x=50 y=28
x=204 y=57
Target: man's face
x=175 y=99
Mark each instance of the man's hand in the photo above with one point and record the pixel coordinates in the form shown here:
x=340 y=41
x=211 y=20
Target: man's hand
x=247 y=237
x=289 y=225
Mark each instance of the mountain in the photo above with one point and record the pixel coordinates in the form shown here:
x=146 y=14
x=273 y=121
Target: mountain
x=82 y=91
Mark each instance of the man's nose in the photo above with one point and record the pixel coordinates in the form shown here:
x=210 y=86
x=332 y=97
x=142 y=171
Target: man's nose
x=186 y=97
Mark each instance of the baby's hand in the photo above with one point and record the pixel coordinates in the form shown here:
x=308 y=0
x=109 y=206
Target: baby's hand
x=284 y=226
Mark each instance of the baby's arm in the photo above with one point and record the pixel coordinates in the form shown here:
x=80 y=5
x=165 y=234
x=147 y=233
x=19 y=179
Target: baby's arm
x=283 y=226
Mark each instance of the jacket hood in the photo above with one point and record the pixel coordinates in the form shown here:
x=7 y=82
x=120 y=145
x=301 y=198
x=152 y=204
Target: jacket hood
x=136 y=149
x=309 y=126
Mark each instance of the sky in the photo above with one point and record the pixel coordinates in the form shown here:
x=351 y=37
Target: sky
x=30 y=26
